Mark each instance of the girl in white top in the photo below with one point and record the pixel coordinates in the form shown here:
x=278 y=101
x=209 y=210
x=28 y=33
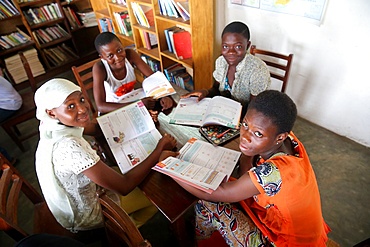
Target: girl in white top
x=10 y=100
x=69 y=170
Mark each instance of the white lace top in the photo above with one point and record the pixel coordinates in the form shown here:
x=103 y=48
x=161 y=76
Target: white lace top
x=71 y=156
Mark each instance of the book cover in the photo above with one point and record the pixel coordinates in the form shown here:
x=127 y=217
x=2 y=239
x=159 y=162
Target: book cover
x=200 y=164
x=130 y=133
x=182 y=44
x=218 y=110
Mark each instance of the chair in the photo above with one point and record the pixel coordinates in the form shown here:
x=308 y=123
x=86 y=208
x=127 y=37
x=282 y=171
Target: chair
x=279 y=65
x=17 y=193
x=25 y=113
x=84 y=77
x=118 y=225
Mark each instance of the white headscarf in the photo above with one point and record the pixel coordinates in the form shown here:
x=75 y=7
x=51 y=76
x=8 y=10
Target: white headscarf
x=51 y=95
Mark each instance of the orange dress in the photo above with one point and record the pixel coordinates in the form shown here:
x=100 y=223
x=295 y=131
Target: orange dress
x=288 y=213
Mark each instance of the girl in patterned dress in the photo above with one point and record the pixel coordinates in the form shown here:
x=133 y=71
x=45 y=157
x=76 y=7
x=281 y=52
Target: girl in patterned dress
x=275 y=201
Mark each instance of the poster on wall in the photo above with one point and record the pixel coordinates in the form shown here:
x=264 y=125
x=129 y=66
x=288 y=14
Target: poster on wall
x=311 y=9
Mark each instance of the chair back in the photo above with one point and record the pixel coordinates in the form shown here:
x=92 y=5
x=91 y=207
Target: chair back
x=278 y=64
x=84 y=77
x=118 y=224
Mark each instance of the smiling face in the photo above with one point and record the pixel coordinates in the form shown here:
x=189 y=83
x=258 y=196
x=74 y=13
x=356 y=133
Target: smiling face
x=114 y=53
x=258 y=135
x=75 y=111
x=234 y=47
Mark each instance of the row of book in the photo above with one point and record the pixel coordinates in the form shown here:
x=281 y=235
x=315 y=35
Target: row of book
x=88 y=17
x=179 y=42
x=7 y=9
x=143 y=14
x=14 y=39
x=106 y=25
x=74 y=21
x=45 y=35
x=175 y=8
x=60 y=54
x=153 y=64
x=16 y=69
x=148 y=39
x=123 y=22
x=43 y=14
x=180 y=76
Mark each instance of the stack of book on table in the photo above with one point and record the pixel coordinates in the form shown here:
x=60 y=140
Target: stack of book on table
x=15 y=66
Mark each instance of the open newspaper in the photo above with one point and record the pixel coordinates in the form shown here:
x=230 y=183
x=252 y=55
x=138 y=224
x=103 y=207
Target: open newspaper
x=155 y=85
x=130 y=133
x=209 y=111
x=200 y=164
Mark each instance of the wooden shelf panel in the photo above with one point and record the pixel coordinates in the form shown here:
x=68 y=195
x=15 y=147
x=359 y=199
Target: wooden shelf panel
x=16 y=48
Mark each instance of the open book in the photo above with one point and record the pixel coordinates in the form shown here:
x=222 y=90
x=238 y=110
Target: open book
x=130 y=133
x=156 y=86
x=200 y=164
x=209 y=111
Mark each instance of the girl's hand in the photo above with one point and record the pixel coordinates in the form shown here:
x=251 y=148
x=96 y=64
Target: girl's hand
x=149 y=102
x=154 y=115
x=166 y=103
x=201 y=94
x=167 y=142
x=165 y=154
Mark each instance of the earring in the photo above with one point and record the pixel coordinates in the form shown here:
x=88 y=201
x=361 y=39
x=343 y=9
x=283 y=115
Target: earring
x=277 y=143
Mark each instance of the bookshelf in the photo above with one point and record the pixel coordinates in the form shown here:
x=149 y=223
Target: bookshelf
x=58 y=42
x=200 y=26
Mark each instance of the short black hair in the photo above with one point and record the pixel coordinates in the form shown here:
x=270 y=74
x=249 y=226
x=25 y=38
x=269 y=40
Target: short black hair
x=237 y=27
x=104 y=38
x=277 y=106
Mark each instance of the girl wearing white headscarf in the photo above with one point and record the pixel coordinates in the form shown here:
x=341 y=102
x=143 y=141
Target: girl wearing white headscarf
x=69 y=170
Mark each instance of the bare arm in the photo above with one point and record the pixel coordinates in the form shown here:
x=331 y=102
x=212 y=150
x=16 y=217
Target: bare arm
x=137 y=62
x=123 y=184
x=233 y=191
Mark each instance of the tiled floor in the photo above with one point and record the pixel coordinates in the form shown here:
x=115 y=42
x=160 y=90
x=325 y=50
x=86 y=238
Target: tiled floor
x=340 y=165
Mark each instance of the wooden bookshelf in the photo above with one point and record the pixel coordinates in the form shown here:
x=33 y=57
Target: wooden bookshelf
x=201 y=26
x=80 y=41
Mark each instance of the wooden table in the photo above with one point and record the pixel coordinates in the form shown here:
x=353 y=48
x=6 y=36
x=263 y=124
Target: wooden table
x=170 y=198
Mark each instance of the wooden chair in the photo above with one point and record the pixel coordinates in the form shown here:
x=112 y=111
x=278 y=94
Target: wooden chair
x=279 y=65
x=25 y=113
x=84 y=77
x=17 y=193
x=120 y=229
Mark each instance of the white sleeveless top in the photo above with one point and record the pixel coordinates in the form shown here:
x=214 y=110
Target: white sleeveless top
x=111 y=84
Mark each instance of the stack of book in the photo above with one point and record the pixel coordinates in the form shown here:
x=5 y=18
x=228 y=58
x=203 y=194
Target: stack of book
x=7 y=9
x=88 y=17
x=123 y=21
x=60 y=54
x=72 y=18
x=45 y=35
x=180 y=75
x=16 y=69
x=14 y=39
x=179 y=42
x=43 y=14
x=175 y=8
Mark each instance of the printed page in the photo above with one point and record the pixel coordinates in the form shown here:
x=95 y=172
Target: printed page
x=190 y=112
x=130 y=133
x=157 y=86
x=132 y=96
x=223 y=111
x=200 y=164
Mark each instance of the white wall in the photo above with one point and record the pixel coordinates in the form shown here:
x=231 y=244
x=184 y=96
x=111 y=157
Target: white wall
x=329 y=79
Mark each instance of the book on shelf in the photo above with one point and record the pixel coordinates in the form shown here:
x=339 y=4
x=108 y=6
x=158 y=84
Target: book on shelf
x=74 y=22
x=130 y=133
x=183 y=13
x=106 y=25
x=8 y=8
x=16 y=69
x=149 y=40
x=218 y=110
x=88 y=17
x=153 y=64
x=200 y=164
x=144 y=15
x=184 y=5
x=155 y=85
x=178 y=74
x=182 y=44
x=123 y=22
